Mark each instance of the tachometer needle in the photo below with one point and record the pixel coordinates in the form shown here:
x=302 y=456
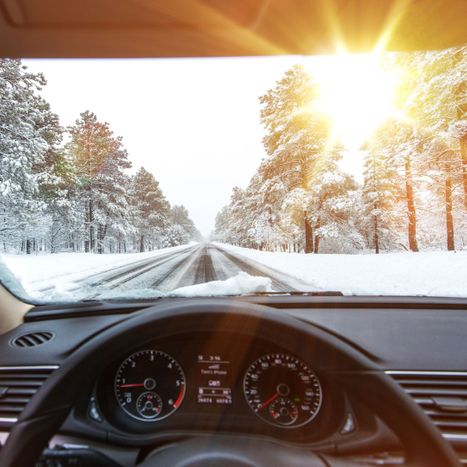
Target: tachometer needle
x=136 y=385
x=271 y=399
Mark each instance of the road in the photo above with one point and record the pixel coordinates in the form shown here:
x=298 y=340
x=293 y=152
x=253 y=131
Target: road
x=195 y=264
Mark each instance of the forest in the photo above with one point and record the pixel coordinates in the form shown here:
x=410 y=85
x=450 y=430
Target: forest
x=69 y=189
x=412 y=195
x=72 y=190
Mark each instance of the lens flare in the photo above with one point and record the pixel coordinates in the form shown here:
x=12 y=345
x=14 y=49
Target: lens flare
x=356 y=93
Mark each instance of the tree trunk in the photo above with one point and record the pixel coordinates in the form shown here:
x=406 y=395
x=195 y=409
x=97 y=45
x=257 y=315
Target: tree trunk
x=100 y=238
x=316 y=246
x=91 y=228
x=449 y=219
x=411 y=214
x=28 y=247
x=308 y=234
x=461 y=114
x=91 y=238
x=141 y=244
x=375 y=232
x=463 y=144
x=317 y=239
x=87 y=220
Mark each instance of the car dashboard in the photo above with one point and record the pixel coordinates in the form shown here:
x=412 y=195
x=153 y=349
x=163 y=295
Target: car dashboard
x=196 y=383
x=223 y=383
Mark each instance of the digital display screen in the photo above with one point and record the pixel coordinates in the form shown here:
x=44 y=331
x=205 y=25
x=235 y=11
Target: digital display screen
x=214 y=380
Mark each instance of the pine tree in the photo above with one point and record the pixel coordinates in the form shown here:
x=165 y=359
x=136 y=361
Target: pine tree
x=402 y=144
x=296 y=136
x=436 y=100
x=99 y=159
x=151 y=210
x=27 y=132
x=330 y=198
x=439 y=101
x=379 y=197
x=180 y=219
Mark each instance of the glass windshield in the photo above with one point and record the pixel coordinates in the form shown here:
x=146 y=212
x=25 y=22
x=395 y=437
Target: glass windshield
x=183 y=177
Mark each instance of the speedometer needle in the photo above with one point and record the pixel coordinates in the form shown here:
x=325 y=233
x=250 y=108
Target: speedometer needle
x=271 y=399
x=136 y=385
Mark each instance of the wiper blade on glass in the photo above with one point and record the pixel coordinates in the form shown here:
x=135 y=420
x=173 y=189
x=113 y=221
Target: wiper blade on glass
x=315 y=293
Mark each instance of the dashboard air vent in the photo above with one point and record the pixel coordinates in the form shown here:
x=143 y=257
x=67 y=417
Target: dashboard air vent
x=442 y=396
x=17 y=387
x=32 y=339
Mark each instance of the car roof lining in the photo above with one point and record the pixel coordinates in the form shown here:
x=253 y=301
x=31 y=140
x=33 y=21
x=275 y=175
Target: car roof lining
x=210 y=28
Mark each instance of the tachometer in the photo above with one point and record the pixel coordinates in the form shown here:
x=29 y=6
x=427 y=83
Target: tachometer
x=149 y=385
x=282 y=390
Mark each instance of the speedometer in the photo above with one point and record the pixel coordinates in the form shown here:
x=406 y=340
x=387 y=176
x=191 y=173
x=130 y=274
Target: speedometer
x=149 y=385
x=282 y=390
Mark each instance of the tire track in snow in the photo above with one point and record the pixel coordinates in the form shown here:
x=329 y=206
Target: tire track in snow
x=178 y=269
x=128 y=272
x=281 y=282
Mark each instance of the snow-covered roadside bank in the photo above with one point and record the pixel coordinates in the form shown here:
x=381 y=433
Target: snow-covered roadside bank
x=425 y=273
x=41 y=271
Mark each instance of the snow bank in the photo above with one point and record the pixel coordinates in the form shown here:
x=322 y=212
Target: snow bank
x=240 y=284
x=440 y=273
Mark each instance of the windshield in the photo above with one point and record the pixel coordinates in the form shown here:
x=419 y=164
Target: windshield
x=185 y=177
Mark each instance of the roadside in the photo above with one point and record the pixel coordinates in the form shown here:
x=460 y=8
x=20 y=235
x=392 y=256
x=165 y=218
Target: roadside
x=437 y=273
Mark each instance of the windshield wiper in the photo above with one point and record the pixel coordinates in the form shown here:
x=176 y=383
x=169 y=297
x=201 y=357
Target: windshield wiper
x=315 y=293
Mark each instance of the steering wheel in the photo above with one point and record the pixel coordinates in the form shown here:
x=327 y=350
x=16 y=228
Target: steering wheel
x=357 y=374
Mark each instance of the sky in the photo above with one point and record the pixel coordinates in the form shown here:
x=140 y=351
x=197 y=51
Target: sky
x=193 y=123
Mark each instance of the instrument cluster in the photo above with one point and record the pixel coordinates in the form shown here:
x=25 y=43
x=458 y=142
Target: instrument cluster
x=234 y=381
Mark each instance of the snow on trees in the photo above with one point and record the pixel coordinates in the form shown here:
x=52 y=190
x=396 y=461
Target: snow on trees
x=71 y=190
x=99 y=161
x=150 y=210
x=414 y=189
x=183 y=226
x=437 y=102
x=299 y=195
x=77 y=196
x=296 y=137
x=26 y=135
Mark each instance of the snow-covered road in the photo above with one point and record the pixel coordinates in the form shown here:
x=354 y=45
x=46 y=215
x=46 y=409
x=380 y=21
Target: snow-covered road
x=197 y=264
x=219 y=269
x=161 y=272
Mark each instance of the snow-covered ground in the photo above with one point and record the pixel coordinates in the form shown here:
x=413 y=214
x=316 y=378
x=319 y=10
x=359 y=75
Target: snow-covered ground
x=219 y=269
x=240 y=284
x=440 y=273
x=42 y=271
x=174 y=271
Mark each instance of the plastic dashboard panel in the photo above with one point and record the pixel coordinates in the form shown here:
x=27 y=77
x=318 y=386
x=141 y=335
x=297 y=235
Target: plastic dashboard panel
x=417 y=334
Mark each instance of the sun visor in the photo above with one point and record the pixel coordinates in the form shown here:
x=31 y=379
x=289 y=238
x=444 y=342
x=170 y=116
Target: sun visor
x=189 y=28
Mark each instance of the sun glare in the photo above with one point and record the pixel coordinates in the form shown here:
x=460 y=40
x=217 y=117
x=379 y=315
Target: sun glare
x=356 y=93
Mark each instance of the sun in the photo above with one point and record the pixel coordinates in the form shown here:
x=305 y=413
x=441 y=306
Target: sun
x=356 y=93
